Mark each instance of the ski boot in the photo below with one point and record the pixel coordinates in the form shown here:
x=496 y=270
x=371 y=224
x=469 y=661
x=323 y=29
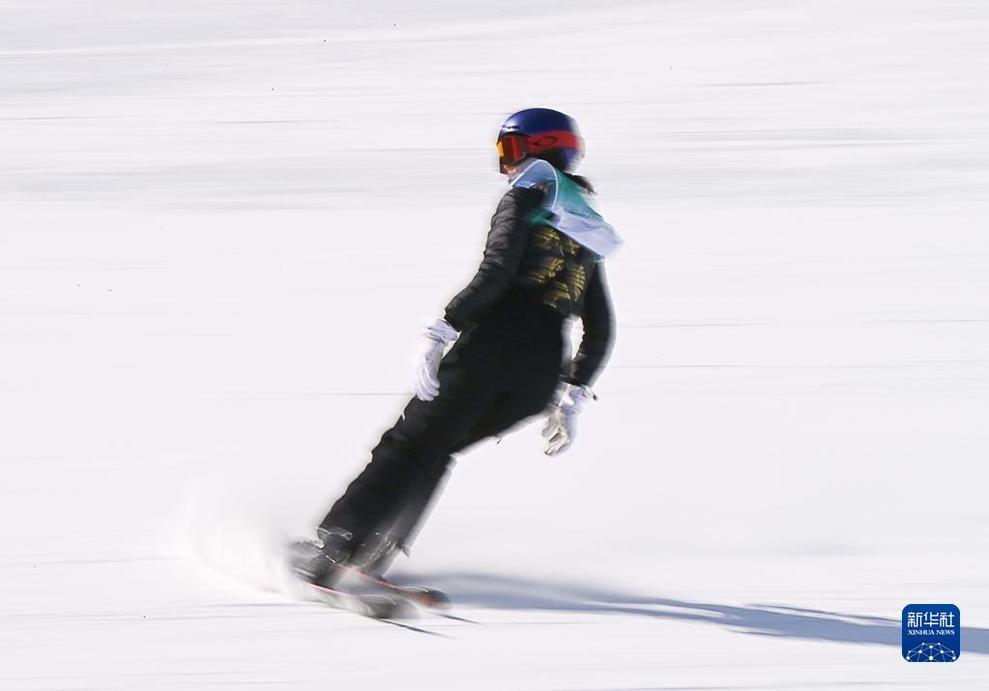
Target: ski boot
x=319 y=561
x=376 y=555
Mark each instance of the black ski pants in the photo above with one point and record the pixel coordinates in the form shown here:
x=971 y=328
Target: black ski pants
x=498 y=373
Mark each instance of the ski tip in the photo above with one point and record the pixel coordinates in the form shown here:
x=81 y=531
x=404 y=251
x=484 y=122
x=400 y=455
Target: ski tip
x=436 y=599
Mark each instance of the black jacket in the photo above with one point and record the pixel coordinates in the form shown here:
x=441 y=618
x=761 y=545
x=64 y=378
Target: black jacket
x=539 y=265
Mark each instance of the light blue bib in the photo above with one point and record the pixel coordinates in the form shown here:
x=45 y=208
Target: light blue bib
x=565 y=207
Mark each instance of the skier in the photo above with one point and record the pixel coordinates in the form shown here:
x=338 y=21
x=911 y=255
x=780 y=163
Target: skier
x=543 y=264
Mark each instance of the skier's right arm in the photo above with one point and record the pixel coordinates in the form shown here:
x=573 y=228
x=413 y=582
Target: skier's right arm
x=503 y=252
x=595 y=346
x=599 y=332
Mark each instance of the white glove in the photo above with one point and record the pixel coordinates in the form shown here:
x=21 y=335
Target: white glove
x=561 y=427
x=438 y=335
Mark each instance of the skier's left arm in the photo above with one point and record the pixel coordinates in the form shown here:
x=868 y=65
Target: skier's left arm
x=507 y=241
x=595 y=346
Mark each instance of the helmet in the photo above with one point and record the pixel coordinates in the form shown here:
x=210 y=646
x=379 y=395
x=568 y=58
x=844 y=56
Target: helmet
x=540 y=133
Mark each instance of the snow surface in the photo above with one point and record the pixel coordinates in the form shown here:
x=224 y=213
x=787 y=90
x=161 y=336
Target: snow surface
x=223 y=225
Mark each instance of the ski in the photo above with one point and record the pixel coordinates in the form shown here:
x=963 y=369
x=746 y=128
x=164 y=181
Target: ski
x=353 y=589
x=429 y=598
x=371 y=605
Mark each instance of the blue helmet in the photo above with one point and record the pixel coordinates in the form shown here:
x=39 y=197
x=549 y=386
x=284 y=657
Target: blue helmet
x=540 y=133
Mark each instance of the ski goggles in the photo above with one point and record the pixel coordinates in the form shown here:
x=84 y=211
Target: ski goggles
x=512 y=148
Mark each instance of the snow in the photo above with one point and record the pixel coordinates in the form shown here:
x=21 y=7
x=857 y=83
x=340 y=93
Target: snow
x=222 y=226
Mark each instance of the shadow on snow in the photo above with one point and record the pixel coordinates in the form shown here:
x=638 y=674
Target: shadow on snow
x=504 y=592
